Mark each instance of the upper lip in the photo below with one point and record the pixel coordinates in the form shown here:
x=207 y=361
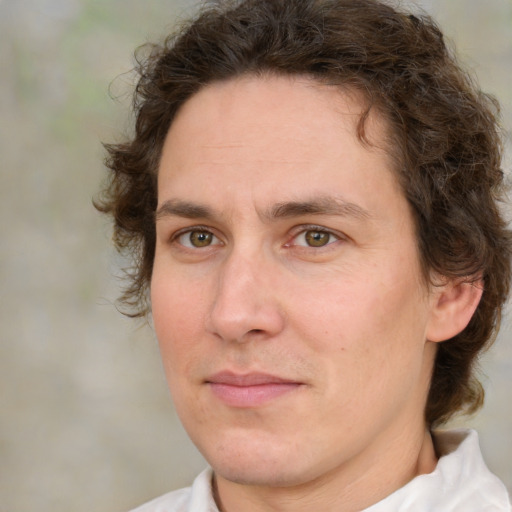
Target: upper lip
x=247 y=379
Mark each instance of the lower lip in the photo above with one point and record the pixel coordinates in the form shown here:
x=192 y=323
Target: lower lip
x=251 y=396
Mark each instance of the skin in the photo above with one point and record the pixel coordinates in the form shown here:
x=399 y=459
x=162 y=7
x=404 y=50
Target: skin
x=286 y=248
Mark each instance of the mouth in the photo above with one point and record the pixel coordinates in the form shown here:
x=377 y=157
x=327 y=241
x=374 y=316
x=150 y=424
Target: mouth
x=249 y=390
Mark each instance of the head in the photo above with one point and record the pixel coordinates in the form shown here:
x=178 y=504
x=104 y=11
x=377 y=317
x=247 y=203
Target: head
x=437 y=130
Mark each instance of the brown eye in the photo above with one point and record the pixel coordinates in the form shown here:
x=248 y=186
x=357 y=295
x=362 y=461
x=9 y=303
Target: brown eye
x=197 y=239
x=317 y=238
x=200 y=238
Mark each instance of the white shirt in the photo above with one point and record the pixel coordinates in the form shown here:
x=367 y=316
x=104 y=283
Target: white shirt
x=461 y=482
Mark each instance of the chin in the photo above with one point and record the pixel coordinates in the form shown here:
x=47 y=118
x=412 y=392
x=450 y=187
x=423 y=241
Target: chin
x=254 y=460
x=260 y=473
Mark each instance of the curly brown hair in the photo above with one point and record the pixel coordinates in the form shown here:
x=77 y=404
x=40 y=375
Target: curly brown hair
x=443 y=136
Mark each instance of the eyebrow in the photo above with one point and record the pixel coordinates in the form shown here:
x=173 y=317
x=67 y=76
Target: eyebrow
x=325 y=205
x=178 y=208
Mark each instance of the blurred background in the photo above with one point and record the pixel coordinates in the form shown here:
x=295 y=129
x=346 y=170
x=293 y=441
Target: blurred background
x=86 y=423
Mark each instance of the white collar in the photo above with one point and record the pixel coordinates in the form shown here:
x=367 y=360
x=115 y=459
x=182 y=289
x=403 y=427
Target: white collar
x=461 y=481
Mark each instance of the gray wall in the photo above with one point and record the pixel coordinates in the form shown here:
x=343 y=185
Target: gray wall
x=86 y=421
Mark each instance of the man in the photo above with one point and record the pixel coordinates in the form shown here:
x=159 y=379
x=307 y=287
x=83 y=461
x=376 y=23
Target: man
x=311 y=198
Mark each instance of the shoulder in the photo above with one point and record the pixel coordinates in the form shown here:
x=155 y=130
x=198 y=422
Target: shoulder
x=197 y=498
x=462 y=469
x=461 y=481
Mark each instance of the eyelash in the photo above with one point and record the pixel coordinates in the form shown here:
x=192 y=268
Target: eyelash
x=297 y=232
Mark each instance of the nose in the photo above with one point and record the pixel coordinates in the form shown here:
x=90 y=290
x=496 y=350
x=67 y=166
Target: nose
x=245 y=305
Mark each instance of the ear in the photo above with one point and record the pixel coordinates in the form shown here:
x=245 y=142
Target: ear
x=453 y=305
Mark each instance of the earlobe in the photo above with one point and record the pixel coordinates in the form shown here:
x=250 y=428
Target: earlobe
x=453 y=305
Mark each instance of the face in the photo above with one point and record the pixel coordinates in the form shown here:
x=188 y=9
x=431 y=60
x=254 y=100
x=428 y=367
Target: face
x=287 y=294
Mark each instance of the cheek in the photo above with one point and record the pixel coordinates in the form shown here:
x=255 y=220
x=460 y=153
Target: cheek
x=363 y=323
x=178 y=313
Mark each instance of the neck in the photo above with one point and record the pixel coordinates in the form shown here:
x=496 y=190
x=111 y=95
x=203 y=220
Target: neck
x=353 y=487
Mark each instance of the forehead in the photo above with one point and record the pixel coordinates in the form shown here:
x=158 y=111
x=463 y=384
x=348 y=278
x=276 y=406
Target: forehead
x=250 y=144
x=274 y=136
x=298 y=103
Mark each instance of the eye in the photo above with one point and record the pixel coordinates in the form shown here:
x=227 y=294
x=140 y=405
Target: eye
x=315 y=238
x=197 y=239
